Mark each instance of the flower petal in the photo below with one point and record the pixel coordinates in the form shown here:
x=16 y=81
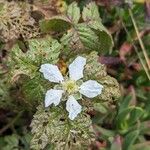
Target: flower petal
x=91 y=88
x=51 y=73
x=76 y=68
x=53 y=97
x=73 y=107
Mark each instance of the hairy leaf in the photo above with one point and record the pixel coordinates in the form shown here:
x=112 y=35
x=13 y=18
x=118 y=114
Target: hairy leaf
x=40 y=51
x=90 y=15
x=96 y=71
x=73 y=13
x=81 y=38
x=89 y=34
x=57 y=23
x=52 y=126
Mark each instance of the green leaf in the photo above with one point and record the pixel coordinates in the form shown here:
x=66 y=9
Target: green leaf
x=44 y=50
x=24 y=69
x=105 y=41
x=82 y=37
x=90 y=12
x=87 y=37
x=128 y=117
x=121 y=120
x=90 y=15
x=124 y=103
x=34 y=90
x=100 y=108
x=5 y=98
x=11 y=142
x=97 y=71
x=25 y=140
x=129 y=140
x=52 y=126
x=62 y=23
x=73 y=13
x=90 y=34
x=57 y=24
x=135 y=115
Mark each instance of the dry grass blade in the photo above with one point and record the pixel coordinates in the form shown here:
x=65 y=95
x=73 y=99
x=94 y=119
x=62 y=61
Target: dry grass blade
x=139 y=39
x=136 y=50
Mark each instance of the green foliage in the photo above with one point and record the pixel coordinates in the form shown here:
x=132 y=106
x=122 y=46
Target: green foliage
x=52 y=127
x=93 y=69
x=3 y=94
x=97 y=71
x=34 y=90
x=90 y=15
x=5 y=98
x=130 y=139
x=102 y=108
x=89 y=34
x=54 y=24
x=11 y=142
x=119 y=123
x=48 y=124
x=128 y=116
x=40 y=51
x=73 y=13
x=24 y=68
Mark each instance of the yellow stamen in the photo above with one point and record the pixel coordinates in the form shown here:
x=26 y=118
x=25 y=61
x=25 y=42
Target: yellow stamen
x=70 y=86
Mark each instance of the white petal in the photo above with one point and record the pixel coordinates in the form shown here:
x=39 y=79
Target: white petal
x=76 y=68
x=53 y=97
x=73 y=107
x=51 y=72
x=91 y=88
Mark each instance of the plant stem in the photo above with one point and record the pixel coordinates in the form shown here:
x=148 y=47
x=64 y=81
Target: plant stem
x=136 y=50
x=10 y=123
x=139 y=39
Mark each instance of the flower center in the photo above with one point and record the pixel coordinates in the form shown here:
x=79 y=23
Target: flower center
x=70 y=86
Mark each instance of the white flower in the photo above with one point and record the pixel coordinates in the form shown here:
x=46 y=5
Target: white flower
x=70 y=86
